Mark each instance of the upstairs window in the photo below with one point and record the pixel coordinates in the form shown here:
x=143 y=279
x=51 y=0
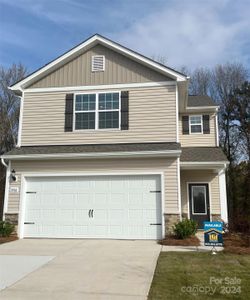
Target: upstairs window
x=98 y=63
x=195 y=124
x=97 y=111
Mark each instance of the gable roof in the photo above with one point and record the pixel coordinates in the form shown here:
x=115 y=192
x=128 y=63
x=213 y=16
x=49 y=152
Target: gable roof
x=87 y=44
x=199 y=101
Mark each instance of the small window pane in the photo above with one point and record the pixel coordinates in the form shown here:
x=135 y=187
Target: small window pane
x=85 y=102
x=195 y=120
x=85 y=121
x=195 y=128
x=109 y=101
x=109 y=120
x=199 y=199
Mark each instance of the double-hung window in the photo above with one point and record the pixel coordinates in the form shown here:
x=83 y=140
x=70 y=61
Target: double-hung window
x=97 y=111
x=195 y=124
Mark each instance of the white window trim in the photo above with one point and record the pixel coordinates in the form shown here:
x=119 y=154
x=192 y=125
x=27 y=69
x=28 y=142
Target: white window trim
x=192 y=199
x=92 y=63
x=96 y=111
x=190 y=125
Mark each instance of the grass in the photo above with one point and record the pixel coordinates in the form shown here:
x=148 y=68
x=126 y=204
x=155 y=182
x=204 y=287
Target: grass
x=177 y=270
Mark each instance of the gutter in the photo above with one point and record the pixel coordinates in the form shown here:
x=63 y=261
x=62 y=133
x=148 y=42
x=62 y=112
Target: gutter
x=4 y=163
x=164 y=153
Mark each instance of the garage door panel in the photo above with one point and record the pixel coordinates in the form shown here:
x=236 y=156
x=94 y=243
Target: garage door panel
x=122 y=206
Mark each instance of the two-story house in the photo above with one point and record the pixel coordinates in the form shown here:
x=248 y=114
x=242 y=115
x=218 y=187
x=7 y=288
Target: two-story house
x=111 y=145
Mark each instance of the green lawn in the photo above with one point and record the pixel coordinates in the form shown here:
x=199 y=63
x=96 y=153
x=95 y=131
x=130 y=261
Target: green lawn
x=180 y=275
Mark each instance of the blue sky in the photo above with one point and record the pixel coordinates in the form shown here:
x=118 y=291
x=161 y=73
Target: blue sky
x=191 y=33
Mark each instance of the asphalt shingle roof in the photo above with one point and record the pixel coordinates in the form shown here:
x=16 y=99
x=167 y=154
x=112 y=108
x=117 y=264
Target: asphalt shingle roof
x=194 y=101
x=202 y=154
x=93 y=148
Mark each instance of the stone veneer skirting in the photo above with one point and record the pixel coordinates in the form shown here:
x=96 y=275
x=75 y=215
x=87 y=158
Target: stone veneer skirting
x=170 y=220
x=12 y=218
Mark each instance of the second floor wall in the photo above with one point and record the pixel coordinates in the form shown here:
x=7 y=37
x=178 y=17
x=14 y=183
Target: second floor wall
x=152 y=118
x=198 y=139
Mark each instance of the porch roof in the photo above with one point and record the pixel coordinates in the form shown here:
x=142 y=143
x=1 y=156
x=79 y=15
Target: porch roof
x=202 y=154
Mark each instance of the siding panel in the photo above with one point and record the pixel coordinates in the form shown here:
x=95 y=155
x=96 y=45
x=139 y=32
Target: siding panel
x=151 y=119
x=118 y=69
x=167 y=166
x=198 y=140
x=201 y=176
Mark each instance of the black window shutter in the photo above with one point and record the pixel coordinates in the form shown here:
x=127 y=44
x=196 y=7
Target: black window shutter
x=185 y=124
x=68 y=126
x=206 y=127
x=124 y=110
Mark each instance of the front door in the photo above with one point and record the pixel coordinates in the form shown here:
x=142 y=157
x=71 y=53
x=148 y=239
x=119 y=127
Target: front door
x=199 y=203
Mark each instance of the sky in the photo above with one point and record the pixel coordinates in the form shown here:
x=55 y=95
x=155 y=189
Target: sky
x=191 y=33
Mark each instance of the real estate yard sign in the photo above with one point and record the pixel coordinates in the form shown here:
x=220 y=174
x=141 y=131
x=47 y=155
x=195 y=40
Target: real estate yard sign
x=213 y=234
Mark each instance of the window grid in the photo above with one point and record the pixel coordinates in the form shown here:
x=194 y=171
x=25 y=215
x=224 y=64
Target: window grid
x=195 y=121
x=97 y=111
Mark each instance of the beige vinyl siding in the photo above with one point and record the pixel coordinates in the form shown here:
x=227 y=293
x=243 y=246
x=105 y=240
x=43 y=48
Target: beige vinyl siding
x=104 y=166
x=198 y=140
x=152 y=118
x=203 y=176
x=118 y=69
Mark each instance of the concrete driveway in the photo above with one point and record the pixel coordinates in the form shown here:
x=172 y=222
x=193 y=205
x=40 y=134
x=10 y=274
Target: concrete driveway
x=81 y=269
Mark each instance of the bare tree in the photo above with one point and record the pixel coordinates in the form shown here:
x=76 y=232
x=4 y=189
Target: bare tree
x=9 y=106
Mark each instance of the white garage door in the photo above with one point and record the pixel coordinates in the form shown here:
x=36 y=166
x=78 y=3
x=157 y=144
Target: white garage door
x=122 y=207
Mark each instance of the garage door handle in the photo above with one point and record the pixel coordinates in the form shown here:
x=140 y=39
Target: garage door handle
x=29 y=223
x=92 y=213
x=155 y=224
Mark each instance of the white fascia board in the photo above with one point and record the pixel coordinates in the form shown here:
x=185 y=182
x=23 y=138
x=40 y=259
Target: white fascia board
x=95 y=39
x=201 y=165
x=202 y=108
x=165 y=153
x=101 y=87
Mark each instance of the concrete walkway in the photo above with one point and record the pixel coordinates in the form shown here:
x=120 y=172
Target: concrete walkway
x=84 y=269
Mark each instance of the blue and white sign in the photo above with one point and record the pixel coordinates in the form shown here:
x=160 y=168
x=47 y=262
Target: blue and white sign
x=213 y=234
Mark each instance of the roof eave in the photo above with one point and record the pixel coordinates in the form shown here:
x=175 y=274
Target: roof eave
x=162 y=153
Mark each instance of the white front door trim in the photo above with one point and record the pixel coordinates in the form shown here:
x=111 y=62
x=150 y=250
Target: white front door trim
x=87 y=174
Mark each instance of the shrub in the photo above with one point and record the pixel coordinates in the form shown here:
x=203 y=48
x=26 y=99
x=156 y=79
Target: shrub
x=185 y=229
x=6 y=229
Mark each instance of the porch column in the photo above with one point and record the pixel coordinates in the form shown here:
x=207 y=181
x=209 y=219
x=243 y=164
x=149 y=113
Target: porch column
x=223 y=195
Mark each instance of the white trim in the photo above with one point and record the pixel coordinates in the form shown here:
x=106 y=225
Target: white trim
x=217 y=130
x=163 y=202
x=100 y=87
x=190 y=125
x=96 y=111
x=179 y=187
x=177 y=114
x=87 y=44
x=202 y=108
x=223 y=195
x=6 y=192
x=20 y=122
x=87 y=174
x=214 y=165
x=21 y=207
x=169 y=153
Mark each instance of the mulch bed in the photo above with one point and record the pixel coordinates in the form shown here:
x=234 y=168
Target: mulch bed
x=173 y=241
x=236 y=243
x=8 y=239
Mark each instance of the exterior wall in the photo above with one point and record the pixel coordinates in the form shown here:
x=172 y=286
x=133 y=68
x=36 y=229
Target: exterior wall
x=198 y=140
x=167 y=166
x=152 y=118
x=204 y=176
x=118 y=69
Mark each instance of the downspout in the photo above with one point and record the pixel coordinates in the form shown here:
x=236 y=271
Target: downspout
x=7 y=182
